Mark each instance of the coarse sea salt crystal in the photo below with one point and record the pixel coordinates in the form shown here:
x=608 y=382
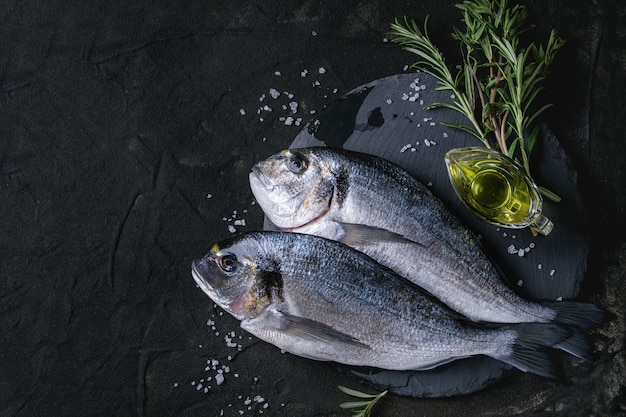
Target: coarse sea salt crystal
x=274 y=93
x=219 y=379
x=293 y=106
x=322 y=70
x=231 y=228
x=304 y=73
x=520 y=252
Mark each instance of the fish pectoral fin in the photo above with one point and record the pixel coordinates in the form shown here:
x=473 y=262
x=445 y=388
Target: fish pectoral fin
x=354 y=234
x=303 y=328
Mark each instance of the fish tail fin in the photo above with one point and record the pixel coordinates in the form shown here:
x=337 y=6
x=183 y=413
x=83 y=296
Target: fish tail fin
x=529 y=352
x=578 y=345
x=536 y=361
x=581 y=315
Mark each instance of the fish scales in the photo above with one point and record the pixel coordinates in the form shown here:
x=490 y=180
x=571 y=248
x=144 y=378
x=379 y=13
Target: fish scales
x=327 y=301
x=381 y=210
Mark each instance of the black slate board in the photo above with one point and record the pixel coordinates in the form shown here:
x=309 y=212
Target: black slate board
x=387 y=117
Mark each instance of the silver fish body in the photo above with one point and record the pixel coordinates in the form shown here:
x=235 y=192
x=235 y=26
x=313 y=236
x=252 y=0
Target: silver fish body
x=323 y=300
x=381 y=210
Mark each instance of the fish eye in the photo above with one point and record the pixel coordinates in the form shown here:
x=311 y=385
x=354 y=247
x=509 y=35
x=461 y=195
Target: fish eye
x=228 y=263
x=297 y=164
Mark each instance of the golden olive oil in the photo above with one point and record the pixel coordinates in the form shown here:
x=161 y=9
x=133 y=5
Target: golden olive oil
x=496 y=189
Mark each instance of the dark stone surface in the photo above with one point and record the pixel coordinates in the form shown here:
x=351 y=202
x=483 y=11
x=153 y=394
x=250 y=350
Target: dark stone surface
x=118 y=119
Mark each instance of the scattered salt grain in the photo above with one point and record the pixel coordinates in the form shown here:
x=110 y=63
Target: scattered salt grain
x=209 y=195
x=559 y=299
x=277 y=73
x=511 y=249
x=314 y=33
x=293 y=106
x=322 y=70
x=274 y=93
x=242 y=111
x=219 y=379
x=445 y=135
x=552 y=272
x=520 y=283
x=520 y=252
x=304 y=73
x=389 y=101
x=289 y=121
x=231 y=228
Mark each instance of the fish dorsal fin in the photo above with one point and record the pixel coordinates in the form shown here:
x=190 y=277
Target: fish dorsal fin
x=354 y=234
x=299 y=327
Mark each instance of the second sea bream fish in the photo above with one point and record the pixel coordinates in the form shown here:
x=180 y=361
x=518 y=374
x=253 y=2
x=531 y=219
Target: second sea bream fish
x=381 y=210
x=323 y=300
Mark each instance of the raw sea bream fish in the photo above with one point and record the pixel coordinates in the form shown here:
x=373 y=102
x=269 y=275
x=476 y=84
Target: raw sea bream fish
x=378 y=208
x=323 y=300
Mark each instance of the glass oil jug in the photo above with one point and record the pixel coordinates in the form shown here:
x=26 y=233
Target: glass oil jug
x=496 y=189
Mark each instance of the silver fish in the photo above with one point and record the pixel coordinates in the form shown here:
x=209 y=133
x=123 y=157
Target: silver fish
x=381 y=210
x=323 y=300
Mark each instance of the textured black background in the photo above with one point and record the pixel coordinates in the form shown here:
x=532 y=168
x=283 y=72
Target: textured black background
x=118 y=119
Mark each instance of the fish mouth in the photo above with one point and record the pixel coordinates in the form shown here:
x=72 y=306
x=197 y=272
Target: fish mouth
x=256 y=175
x=199 y=272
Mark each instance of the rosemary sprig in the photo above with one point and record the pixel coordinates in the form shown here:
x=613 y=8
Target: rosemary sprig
x=499 y=80
x=361 y=408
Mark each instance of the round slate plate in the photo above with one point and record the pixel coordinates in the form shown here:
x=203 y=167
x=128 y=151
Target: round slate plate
x=387 y=118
